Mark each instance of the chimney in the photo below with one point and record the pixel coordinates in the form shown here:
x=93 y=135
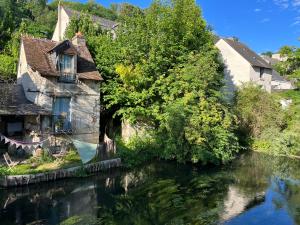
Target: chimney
x=78 y=39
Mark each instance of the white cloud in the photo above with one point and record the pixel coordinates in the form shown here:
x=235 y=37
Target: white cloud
x=257 y=10
x=296 y=3
x=295 y=23
x=283 y=3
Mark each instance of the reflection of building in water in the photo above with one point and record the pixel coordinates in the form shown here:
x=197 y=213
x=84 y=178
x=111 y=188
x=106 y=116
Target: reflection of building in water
x=237 y=202
x=131 y=179
x=61 y=200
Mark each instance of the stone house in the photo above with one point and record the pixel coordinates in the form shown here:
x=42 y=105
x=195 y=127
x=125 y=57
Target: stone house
x=57 y=92
x=57 y=89
x=61 y=78
x=65 y=15
x=244 y=65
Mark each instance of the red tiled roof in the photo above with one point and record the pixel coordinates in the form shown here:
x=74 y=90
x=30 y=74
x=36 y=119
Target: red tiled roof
x=38 y=58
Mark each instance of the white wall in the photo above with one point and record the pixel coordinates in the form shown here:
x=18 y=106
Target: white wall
x=237 y=69
x=61 y=25
x=22 y=65
x=266 y=79
x=278 y=56
x=281 y=84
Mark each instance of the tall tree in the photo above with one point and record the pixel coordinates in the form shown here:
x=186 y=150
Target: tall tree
x=163 y=71
x=290 y=66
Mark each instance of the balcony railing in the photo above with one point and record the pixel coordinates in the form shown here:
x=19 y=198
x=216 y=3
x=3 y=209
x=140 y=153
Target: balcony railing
x=62 y=124
x=67 y=78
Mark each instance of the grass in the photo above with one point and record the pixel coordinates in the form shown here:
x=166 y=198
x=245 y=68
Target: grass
x=43 y=164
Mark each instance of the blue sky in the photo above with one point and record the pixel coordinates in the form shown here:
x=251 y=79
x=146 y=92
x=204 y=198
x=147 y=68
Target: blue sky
x=262 y=24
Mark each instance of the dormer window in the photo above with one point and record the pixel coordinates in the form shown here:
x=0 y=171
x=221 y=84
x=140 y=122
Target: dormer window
x=64 y=54
x=66 y=68
x=66 y=64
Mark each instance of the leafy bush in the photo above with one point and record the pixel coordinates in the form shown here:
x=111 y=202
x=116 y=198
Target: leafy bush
x=7 y=66
x=258 y=110
x=137 y=151
x=276 y=131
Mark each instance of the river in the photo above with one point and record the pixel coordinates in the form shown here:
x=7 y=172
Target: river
x=254 y=189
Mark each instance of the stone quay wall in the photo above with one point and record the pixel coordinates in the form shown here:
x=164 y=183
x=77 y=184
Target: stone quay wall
x=20 y=180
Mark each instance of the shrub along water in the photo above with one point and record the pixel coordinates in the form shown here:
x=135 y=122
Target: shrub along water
x=265 y=124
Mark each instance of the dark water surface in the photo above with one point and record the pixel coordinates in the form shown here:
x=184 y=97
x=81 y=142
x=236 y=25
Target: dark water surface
x=255 y=189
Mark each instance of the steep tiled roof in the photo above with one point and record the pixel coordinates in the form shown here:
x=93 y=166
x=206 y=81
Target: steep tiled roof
x=37 y=53
x=14 y=102
x=253 y=58
x=105 y=23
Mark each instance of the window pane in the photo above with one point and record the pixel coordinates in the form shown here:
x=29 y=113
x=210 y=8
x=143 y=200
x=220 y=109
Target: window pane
x=66 y=63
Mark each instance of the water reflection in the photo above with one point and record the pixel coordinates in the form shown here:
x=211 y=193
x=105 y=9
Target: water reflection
x=256 y=189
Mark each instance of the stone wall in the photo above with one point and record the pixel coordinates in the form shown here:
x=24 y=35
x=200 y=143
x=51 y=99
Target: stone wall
x=20 y=180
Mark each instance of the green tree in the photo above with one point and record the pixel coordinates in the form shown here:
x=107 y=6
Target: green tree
x=7 y=66
x=163 y=72
x=290 y=67
x=268 y=53
x=83 y=24
x=32 y=17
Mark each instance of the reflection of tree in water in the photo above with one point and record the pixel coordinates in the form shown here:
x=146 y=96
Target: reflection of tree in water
x=168 y=200
x=251 y=174
x=160 y=193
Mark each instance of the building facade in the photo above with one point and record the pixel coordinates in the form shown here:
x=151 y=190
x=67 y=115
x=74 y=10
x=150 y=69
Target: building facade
x=61 y=77
x=243 y=65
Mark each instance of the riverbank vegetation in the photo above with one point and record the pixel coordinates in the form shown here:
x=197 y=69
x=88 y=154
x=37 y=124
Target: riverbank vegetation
x=163 y=75
x=265 y=125
x=43 y=163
